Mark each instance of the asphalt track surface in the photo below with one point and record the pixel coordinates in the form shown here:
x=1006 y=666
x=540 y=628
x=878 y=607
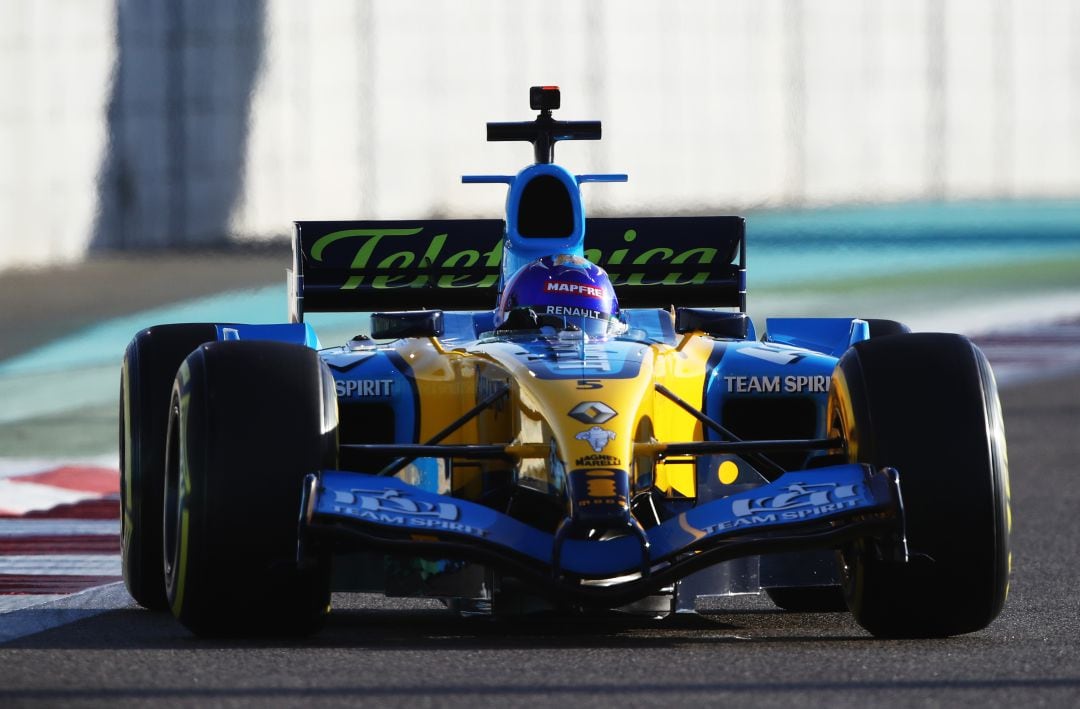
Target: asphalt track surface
x=411 y=653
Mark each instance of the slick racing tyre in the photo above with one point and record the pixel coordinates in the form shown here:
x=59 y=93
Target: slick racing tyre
x=248 y=421
x=927 y=405
x=146 y=379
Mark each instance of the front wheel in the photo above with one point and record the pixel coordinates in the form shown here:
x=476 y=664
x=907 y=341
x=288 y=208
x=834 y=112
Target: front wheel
x=927 y=405
x=248 y=421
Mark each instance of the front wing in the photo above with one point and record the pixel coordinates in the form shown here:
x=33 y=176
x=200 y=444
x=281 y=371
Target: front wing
x=800 y=510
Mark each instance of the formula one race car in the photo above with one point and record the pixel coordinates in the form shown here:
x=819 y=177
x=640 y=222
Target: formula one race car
x=555 y=413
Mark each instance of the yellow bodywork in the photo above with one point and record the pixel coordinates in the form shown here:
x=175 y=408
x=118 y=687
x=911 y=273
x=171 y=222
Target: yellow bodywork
x=535 y=416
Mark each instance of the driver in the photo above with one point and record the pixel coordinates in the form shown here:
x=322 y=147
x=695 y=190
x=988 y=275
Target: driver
x=564 y=291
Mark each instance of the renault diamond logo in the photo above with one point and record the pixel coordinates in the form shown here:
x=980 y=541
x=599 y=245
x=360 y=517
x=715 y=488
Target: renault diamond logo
x=593 y=412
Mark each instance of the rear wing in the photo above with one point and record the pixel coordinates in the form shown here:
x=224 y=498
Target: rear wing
x=654 y=262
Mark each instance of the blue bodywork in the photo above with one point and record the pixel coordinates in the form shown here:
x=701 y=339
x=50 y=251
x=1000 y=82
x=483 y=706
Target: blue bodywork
x=295 y=333
x=519 y=251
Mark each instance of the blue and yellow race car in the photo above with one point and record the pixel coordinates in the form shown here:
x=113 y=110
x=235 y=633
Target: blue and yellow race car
x=557 y=413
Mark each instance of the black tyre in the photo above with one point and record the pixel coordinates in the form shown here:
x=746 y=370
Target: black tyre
x=927 y=405
x=249 y=420
x=882 y=328
x=146 y=380
x=808 y=599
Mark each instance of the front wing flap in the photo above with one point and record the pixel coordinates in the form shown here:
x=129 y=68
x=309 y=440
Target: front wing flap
x=806 y=509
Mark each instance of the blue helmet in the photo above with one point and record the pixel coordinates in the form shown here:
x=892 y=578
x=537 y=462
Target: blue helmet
x=562 y=291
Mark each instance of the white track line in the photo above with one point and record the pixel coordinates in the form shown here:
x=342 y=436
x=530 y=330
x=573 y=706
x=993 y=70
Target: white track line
x=62 y=564
x=62 y=527
x=14 y=603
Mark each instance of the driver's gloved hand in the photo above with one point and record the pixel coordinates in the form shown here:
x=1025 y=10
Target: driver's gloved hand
x=556 y=321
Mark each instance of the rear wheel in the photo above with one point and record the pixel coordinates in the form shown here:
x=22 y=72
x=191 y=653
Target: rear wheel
x=249 y=420
x=150 y=364
x=927 y=405
x=882 y=328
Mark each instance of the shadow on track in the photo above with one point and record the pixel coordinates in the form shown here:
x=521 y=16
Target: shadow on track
x=420 y=625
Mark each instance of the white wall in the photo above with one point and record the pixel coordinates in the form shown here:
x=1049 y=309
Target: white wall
x=374 y=109
x=55 y=60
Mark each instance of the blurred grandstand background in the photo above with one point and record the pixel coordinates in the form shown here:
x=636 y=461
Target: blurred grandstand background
x=141 y=124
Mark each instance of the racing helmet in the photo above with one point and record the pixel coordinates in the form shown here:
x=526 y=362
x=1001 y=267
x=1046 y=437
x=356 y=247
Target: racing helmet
x=564 y=291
